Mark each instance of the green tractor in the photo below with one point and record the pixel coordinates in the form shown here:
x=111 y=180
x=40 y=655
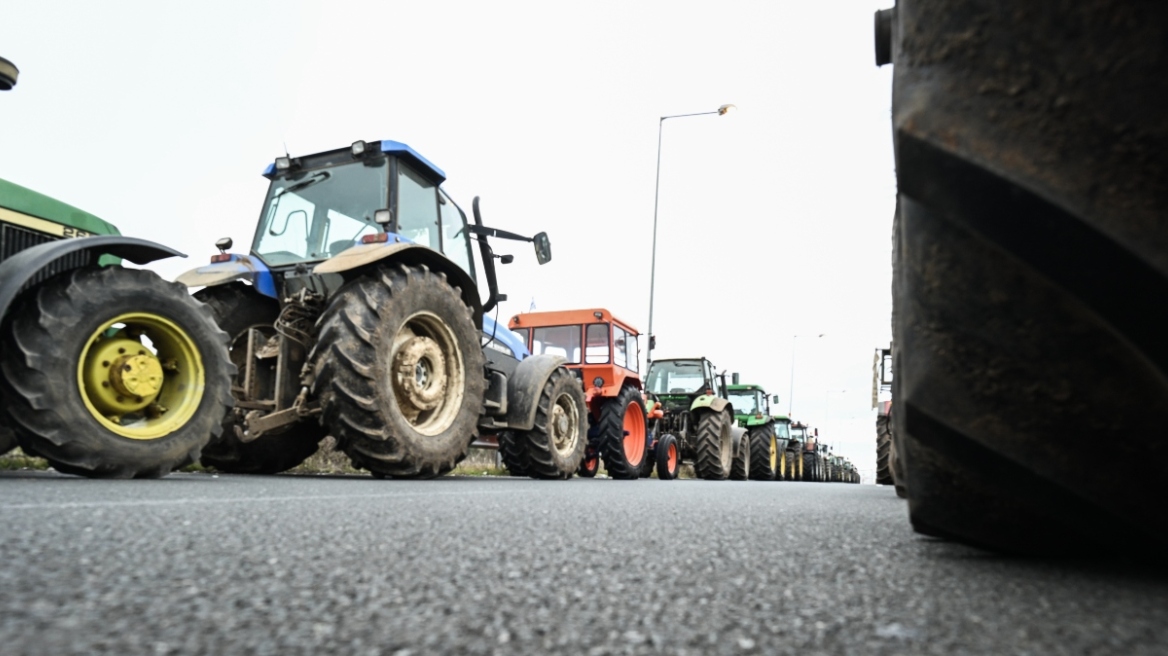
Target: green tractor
x=752 y=412
x=357 y=314
x=799 y=434
x=695 y=409
x=105 y=371
x=783 y=440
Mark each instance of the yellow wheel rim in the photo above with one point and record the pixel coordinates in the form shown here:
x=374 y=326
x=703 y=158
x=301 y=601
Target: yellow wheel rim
x=141 y=376
x=774 y=453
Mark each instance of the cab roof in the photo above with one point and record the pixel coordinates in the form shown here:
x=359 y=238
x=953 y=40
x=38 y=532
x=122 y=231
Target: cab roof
x=567 y=318
x=397 y=148
x=743 y=388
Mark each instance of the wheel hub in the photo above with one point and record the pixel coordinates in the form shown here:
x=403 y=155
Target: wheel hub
x=420 y=378
x=136 y=375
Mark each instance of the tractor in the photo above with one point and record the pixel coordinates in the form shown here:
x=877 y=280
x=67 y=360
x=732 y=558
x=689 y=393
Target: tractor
x=105 y=371
x=783 y=441
x=752 y=412
x=695 y=410
x=886 y=457
x=603 y=352
x=357 y=314
x=794 y=453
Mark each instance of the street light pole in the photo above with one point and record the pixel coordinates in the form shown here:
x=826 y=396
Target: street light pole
x=721 y=111
x=791 y=387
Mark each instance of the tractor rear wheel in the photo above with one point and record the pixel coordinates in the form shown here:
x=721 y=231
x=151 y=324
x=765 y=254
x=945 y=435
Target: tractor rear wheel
x=555 y=444
x=810 y=467
x=668 y=458
x=740 y=468
x=7 y=440
x=883 y=448
x=764 y=453
x=623 y=434
x=399 y=372
x=114 y=373
x=513 y=453
x=239 y=309
x=714 y=446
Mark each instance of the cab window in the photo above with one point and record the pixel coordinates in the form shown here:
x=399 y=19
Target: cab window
x=417 y=208
x=455 y=238
x=596 y=339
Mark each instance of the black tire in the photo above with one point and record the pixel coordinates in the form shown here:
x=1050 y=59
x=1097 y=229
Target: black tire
x=238 y=308
x=53 y=326
x=1030 y=277
x=740 y=468
x=897 y=470
x=667 y=455
x=589 y=465
x=383 y=416
x=513 y=453
x=810 y=467
x=713 y=446
x=622 y=457
x=763 y=444
x=7 y=440
x=555 y=444
x=883 y=448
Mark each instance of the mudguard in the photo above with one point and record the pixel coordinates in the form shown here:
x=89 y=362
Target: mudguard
x=524 y=388
x=239 y=267
x=351 y=261
x=712 y=402
x=737 y=434
x=23 y=267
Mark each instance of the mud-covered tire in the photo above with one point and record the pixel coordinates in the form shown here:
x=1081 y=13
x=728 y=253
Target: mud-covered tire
x=623 y=431
x=399 y=372
x=555 y=444
x=1030 y=276
x=238 y=308
x=667 y=455
x=883 y=449
x=713 y=446
x=763 y=447
x=68 y=318
x=740 y=467
x=513 y=453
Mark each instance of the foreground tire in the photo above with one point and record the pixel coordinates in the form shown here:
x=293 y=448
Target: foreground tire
x=713 y=446
x=238 y=309
x=589 y=466
x=883 y=449
x=764 y=453
x=668 y=457
x=7 y=440
x=399 y=372
x=555 y=445
x=1030 y=275
x=740 y=468
x=114 y=373
x=513 y=453
x=623 y=435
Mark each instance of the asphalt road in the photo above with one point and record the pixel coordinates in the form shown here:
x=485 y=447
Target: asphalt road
x=290 y=565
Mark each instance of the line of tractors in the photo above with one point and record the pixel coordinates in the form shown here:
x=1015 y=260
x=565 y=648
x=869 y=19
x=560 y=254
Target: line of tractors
x=356 y=313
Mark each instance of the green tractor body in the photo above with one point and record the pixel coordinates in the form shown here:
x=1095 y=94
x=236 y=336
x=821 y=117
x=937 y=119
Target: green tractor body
x=752 y=412
x=691 y=399
x=357 y=314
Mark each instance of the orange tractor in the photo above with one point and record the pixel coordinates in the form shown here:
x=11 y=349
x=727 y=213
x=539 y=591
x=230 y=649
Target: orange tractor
x=602 y=352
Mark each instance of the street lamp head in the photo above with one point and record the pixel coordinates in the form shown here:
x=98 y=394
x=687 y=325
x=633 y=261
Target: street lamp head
x=725 y=109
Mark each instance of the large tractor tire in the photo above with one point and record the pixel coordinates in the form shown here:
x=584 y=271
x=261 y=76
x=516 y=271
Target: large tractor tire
x=7 y=440
x=114 y=373
x=238 y=309
x=668 y=458
x=1030 y=272
x=764 y=453
x=513 y=453
x=713 y=446
x=555 y=444
x=810 y=467
x=740 y=468
x=883 y=449
x=623 y=435
x=399 y=372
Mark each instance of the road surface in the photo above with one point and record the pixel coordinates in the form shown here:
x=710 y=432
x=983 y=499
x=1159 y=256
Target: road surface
x=289 y=565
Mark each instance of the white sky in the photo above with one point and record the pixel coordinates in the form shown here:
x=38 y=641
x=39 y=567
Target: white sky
x=774 y=220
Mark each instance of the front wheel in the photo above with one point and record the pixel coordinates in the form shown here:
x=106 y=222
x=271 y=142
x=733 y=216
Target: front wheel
x=668 y=458
x=555 y=444
x=740 y=469
x=114 y=373
x=513 y=453
x=714 y=446
x=764 y=453
x=622 y=434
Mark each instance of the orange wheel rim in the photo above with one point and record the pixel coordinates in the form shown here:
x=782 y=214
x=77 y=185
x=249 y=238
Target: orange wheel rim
x=672 y=458
x=591 y=464
x=634 y=442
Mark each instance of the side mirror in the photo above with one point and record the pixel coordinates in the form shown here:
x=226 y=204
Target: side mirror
x=775 y=399
x=734 y=378
x=506 y=259
x=543 y=248
x=224 y=244
x=8 y=74
x=652 y=342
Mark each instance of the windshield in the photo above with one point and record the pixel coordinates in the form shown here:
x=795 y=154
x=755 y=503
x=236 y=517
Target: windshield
x=782 y=431
x=799 y=433
x=314 y=215
x=676 y=377
x=557 y=340
x=745 y=402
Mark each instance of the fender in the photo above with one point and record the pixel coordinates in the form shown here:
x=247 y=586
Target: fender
x=31 y=264
x=736 y=435
x=353 y=261
x=524 y=388
x=713 y=403
x=239 y=267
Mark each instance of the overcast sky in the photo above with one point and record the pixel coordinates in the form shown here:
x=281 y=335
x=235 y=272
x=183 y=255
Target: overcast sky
x=774 y=220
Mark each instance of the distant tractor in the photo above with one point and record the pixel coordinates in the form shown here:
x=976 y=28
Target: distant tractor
x=602 y=351
x=107 y=372
x=358 y=314
x=783 y=442
x=696 y=412
x=800 y=433
x=752 y=412
x=887 y=461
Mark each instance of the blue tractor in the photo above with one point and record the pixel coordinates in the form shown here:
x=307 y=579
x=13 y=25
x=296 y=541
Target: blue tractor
x=357 y=314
